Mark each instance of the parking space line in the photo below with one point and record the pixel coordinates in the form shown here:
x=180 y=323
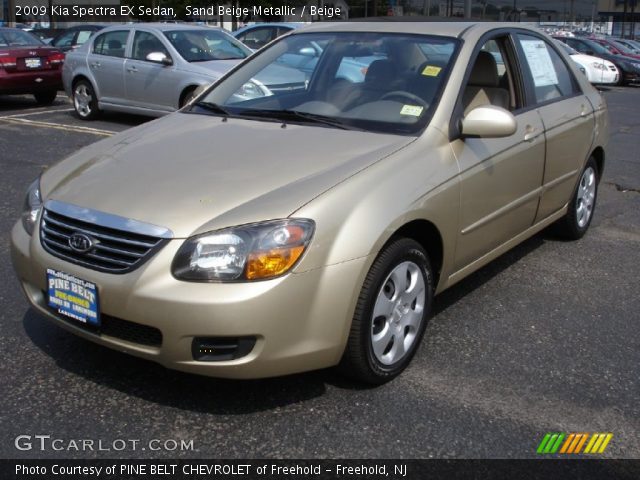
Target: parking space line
x=40 y=112
x=57 y=126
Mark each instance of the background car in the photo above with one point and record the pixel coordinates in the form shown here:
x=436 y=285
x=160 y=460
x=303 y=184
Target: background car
x=148 y=69
x=258 y=35
x=29 y=66
x=616 y=48
x=632 y=45
x=598 y=70
x=629 y=68
x=74 y=37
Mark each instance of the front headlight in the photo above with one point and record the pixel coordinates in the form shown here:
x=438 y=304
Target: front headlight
x=249 y=252
x=599 y=66
x=32 y=204
x=251 y=89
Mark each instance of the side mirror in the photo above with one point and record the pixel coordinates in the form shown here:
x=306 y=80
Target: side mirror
x=307 y=52
x=159 y=57
x=489 y=122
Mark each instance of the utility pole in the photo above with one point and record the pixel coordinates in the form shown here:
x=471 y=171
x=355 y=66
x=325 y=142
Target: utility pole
x=467 y=8
x=624 y=19
x=11 y=7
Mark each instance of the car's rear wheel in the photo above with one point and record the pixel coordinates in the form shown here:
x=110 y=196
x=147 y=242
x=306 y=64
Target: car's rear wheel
x=85 y=101
x=582 y=205
x=391 y=314
x=46 y=97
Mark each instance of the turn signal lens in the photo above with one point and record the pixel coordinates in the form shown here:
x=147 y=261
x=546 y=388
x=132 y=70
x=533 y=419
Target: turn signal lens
x=272 y=263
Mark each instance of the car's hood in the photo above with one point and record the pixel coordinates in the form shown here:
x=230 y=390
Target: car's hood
x=588 y=59
x=213 y=68
x=189 y=172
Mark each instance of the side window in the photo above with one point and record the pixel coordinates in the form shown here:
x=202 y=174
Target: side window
x=257 y=38
x=111 y=43
x=492 y=78
x=551 y=76
x=65 y=40
x=145 y=43
x=83 y=36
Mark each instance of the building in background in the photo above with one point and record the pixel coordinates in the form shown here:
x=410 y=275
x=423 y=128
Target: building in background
x=624 y=16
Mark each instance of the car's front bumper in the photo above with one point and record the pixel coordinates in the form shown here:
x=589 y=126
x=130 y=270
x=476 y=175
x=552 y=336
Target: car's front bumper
x=300 y=321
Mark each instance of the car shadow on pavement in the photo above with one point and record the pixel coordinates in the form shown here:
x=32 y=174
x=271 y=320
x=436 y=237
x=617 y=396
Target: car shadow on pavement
x=152 y=382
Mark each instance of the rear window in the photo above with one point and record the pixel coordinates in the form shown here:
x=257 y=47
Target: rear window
x=17 y=38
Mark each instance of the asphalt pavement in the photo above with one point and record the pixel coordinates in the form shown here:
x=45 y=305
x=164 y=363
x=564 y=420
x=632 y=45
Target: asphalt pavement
x=544 y=339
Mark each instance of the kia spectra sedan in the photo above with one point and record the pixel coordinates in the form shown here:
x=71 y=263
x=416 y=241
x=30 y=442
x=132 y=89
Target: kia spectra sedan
x=254 y=237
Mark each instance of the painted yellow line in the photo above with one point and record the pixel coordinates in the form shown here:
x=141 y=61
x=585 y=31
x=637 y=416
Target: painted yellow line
x=39 y=112
x=57 y=126
x=596 y=446
x=606 y=441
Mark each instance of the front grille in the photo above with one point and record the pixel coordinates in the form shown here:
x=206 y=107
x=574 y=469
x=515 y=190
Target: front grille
x=117 y=328
x=112 y=250
x=613 y=68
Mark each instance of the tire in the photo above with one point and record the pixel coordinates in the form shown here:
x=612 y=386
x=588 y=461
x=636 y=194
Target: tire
x=576 y=222
x=187 y=96
x=373 y=353
x=46 y=98
x=85 y=101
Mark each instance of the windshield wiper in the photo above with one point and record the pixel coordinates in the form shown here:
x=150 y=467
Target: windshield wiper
x=212 y=107
x=296 y=115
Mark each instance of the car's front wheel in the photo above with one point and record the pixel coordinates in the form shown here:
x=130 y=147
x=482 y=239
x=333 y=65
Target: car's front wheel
x=582 y=205
x=85 y=101
x=391 y=313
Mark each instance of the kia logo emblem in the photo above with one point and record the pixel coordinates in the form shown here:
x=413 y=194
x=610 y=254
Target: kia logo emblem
x=79 y=242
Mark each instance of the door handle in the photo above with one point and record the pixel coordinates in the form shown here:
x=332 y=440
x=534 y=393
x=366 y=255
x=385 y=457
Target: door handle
x=583 y=111
x=132 y=69
x=95 y=64
x=530 y=133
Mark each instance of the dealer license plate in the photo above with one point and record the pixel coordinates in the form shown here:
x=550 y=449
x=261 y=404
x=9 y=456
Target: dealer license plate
x=32 y=62
x=73 y=297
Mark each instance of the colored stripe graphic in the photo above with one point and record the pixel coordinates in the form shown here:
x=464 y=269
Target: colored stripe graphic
x=572 y=443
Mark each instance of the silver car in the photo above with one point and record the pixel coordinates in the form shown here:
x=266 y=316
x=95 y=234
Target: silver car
x=148 y=69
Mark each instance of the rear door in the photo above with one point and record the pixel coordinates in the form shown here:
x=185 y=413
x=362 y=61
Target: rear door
x=567 y=116
x=106 y=62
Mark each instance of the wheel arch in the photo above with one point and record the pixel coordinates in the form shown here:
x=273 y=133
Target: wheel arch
x=599 y=155
x=428 y=235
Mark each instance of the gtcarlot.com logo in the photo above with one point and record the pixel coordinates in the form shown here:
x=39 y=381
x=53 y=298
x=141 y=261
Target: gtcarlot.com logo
x=47 y=443
x=573 y=443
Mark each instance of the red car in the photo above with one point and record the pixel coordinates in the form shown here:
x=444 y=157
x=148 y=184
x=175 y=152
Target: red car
x=616 y=48
x=29 y=66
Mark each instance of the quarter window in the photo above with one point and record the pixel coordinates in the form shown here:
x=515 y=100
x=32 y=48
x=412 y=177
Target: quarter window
x=550 y=75
x=111 y=43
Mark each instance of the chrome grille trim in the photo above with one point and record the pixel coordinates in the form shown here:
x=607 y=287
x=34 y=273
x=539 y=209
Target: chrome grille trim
x=114 y=250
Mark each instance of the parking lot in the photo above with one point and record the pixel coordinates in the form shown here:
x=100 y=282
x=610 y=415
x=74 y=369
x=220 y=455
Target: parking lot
x=544 y=339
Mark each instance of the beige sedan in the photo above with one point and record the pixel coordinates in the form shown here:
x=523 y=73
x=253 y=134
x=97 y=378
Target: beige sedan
x=250 y=236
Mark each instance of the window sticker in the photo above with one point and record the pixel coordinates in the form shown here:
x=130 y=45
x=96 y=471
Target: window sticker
x=542 y=69
x=431 y=71
x=412 y=110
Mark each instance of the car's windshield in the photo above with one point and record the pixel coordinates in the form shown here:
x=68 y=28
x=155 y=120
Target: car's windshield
x=368 y=81
x=206 y=45
x=17 y=38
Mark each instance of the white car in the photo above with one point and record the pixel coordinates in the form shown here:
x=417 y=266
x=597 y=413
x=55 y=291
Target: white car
x=598 y=70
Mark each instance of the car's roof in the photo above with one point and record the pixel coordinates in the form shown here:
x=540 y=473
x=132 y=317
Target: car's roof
x=448 y=29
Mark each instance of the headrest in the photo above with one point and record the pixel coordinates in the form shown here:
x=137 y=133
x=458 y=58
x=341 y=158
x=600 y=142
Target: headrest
x=485 y=71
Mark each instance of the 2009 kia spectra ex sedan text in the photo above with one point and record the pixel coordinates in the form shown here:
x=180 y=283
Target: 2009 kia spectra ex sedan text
x=311 y=227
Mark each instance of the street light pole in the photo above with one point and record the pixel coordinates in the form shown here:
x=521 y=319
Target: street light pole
x=12 y=13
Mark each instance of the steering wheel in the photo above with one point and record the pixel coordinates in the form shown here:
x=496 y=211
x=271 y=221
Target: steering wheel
x=406 y=95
